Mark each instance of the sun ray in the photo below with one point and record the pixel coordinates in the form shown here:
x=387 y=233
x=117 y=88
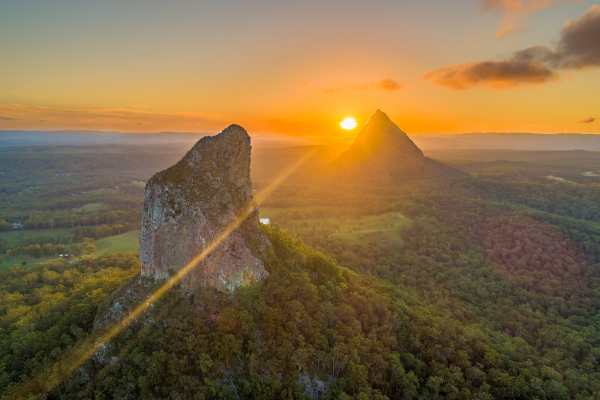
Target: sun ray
x=80 y=353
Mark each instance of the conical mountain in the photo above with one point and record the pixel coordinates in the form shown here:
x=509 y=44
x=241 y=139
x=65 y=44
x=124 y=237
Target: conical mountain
x=380 y=137
x=382 y=149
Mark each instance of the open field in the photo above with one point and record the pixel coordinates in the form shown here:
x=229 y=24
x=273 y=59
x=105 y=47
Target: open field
x=349 y=229
x=124 y=243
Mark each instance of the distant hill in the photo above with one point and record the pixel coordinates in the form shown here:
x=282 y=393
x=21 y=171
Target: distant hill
x=92 y=138
x=87 y=138
x=426 y=142
x=509 y=141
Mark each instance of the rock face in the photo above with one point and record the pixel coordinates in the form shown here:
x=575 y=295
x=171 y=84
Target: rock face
x=189 y=204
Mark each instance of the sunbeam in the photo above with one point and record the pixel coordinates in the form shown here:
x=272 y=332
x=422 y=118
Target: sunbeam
x=80 y=353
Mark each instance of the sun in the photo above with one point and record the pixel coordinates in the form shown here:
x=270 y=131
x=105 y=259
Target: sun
x=348 y=123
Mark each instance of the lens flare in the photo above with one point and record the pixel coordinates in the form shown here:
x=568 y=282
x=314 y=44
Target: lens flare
x=84 y=350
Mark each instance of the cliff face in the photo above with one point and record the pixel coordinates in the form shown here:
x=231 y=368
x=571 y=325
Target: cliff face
x=189 y=204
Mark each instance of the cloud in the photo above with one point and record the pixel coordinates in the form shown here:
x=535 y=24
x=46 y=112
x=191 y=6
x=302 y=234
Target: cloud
x=589 y=120
x=497 y=74
x=515 y=12
x=128 y=119
x=579 y=44
x=387 y=84
x=578 y=47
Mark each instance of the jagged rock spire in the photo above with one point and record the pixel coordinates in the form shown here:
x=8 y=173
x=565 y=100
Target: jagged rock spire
x=187 y=205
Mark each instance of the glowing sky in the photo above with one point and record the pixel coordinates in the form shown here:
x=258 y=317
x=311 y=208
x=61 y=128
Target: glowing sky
x=298 y=68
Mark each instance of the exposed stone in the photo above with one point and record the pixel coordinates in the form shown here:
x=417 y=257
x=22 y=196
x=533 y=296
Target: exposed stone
x=189 y=204
x=314 y=388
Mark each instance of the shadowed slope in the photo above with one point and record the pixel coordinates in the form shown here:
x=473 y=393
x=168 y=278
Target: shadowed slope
x=384 y=152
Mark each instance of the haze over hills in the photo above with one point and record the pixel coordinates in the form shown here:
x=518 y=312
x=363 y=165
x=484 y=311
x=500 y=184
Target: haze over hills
x=510 y=141
x=86 y=138
x=427 y=142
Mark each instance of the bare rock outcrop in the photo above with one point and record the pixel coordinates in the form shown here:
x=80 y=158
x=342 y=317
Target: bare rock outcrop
x=191 y=203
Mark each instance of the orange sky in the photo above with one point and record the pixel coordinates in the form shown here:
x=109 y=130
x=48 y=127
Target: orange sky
x=296 y=69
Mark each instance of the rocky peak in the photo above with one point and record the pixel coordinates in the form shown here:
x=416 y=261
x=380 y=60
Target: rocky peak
x=382 y=149
x=382 y=136
x=189 y=204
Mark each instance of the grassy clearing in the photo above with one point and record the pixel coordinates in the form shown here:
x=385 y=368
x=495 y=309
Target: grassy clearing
x=124 y=243
x=349 y=229
x=357 y=228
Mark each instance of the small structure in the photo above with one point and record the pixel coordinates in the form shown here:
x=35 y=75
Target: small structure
x=17 y=225
x=265 y=221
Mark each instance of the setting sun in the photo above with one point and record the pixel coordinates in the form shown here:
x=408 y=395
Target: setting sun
x=348 y=123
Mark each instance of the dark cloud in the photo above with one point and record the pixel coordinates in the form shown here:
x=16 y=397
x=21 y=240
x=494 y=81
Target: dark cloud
x=5 y=118
x=589 y=120
x=579 y=44
x=541 y=54
x=498 y=74
x=578 y=47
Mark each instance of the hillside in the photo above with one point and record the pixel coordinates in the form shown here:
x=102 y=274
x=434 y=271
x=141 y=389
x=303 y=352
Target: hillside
x=313 y=330
x=382 y=152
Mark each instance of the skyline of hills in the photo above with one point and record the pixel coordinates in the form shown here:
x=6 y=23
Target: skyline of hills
x=463 y=141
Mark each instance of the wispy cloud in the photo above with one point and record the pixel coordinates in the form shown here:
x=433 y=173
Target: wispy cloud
x=589 y=120
x=388 y=85
x=515 y=12
x=54 y=117
x=578 y=47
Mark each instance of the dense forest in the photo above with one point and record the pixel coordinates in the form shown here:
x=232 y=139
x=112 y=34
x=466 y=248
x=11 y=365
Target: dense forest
x=315 y=328
x=487 y=287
